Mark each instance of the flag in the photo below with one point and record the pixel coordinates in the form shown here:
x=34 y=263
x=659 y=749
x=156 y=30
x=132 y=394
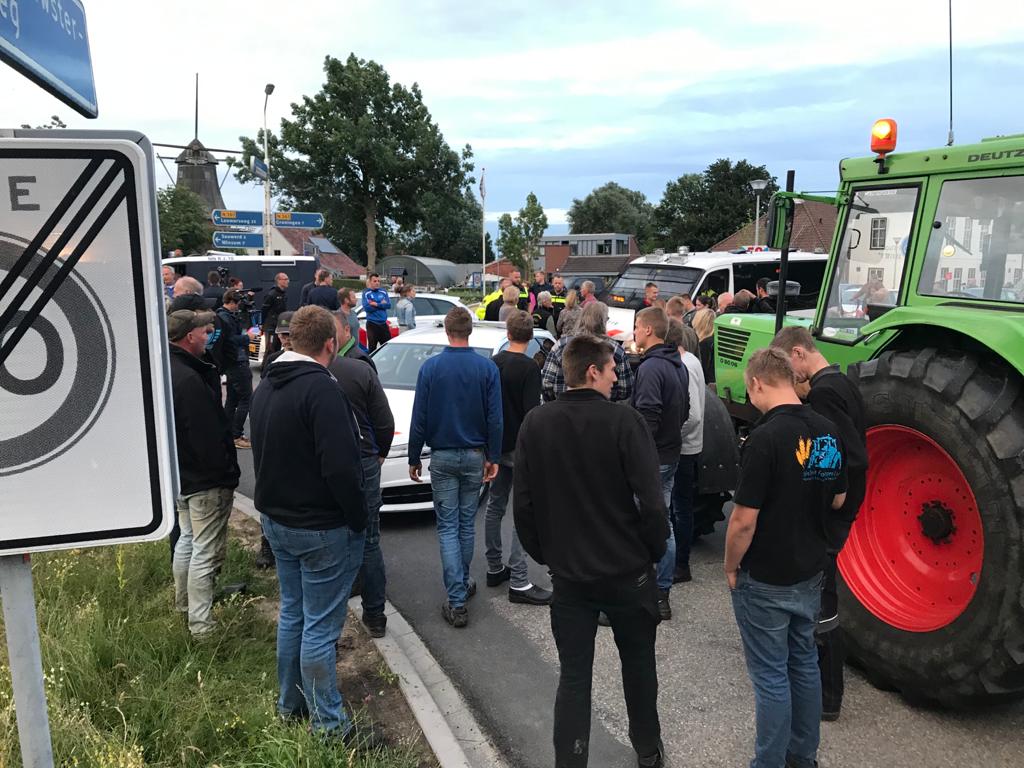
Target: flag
x=483 y=187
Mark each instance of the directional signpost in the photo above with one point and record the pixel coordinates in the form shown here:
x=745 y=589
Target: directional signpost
x=48 y=42
x=84 y=382
x=299 y=220
x=237 y=239
x=226 y=218
x=258 y=167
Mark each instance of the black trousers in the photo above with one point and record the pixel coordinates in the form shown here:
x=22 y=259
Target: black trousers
x=236 y=404
x=831 y=647
x=376 y=335
x=632 y=608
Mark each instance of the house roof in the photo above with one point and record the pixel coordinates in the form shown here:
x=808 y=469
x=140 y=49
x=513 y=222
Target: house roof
x=813 y=225
x=324 y=245
x=340 y=263
x=595 y=265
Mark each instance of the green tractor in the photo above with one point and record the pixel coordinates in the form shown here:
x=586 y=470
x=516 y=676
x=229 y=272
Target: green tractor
x=923 y=306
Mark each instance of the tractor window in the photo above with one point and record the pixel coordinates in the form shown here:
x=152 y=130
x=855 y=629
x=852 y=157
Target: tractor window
x=869 y=265
x=976 y=243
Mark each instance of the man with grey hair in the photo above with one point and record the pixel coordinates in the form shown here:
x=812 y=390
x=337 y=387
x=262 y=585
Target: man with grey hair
x=188 y=294
x=544 y=313
x=593 y=322
x=587 y=296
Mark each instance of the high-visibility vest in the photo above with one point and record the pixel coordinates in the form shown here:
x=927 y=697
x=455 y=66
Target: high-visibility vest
x=482 y=309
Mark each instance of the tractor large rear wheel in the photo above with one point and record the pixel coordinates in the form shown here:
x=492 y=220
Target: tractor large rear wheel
x=931 y=593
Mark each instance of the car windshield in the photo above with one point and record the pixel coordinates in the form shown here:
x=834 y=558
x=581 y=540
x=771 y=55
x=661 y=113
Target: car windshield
x=398 y=365
x=628 y=288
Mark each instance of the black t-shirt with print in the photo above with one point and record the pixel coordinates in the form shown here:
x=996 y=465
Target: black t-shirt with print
x=792 y=466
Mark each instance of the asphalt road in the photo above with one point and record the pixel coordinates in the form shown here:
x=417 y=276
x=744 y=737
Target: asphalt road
x=505 y=665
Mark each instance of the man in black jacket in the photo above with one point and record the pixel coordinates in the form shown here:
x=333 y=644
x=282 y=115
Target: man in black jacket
x=234 y=364
x=836 y=398
x=274 y=303
x=661 y=395
x=599 y=529
x=207 y=467
x=376 y=423
x=309 y=489
x=323 y=293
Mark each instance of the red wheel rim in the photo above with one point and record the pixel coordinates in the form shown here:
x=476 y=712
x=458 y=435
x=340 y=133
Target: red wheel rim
x=915 y=552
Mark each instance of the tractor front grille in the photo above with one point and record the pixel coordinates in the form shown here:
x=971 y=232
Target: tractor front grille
x=731 y=343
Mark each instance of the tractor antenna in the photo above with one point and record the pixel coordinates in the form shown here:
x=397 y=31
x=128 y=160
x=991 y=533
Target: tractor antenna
x=949 y=140
x=197 y=104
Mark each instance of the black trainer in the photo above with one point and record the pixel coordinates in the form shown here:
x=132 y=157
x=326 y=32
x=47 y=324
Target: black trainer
x=497 y=578
x=603 y=620
x=457 y=617
x=655 y=760
x=533 y=596
x=681 y=574
x=664 y=606
x=375 y=625
x=830 y=715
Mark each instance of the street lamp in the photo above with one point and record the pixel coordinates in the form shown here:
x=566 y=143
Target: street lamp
x=758 y=186
x=267 y=90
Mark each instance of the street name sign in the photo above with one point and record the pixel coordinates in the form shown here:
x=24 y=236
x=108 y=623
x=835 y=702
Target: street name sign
x=87 y=452
x=48 y=42
x=228 y=218
x=237 y=240
x=299 y=219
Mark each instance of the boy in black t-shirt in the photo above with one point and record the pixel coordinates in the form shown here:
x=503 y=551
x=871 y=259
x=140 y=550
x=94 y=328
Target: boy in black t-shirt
x=520 y=391
x=792 y=479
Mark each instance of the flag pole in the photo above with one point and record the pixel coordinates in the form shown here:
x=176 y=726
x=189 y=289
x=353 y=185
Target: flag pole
x=483 y=235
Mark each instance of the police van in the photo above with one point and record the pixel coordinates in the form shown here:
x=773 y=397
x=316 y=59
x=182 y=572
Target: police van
x=711 y=274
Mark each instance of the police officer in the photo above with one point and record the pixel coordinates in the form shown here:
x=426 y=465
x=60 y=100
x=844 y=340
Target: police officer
x=488 y=309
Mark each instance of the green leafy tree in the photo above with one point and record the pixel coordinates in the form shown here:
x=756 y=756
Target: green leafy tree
x=699 y=209
x=55 y=122
x=184 y=220
x=613 y=208
x=519 y=238
x=365 y=152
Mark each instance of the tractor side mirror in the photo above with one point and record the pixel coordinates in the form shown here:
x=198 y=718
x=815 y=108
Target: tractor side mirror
x=778 y=212
x=792 y=288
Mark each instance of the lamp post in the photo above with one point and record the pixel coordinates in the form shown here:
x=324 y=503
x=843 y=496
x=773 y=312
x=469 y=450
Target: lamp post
x=267 y=90
x=758 y=186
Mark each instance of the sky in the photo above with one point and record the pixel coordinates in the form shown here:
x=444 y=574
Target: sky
x=560 y=98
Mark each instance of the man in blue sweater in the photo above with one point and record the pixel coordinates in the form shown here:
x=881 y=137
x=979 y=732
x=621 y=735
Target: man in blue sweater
x=457 y=412
x=376 y=303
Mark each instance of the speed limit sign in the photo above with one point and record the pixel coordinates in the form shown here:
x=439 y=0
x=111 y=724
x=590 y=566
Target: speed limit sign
x=86 y=443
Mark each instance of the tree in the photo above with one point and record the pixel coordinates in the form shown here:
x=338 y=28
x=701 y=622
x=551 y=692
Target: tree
x=613 y=208
x=449 y=230
x=699 y=209
x=366 y=153
x=55 y=122
x=184 y=220
x=519 y=238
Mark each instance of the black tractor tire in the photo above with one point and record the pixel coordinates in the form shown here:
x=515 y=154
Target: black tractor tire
x=973 y=407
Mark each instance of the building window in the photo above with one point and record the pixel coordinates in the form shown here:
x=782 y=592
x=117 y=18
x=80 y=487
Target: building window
x=971 y=273
x=958 y=276
x=968 y=234
x=876 y=273
x=878 y=227
x=623 y=247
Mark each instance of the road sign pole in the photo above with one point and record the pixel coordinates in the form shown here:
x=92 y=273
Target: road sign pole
x=26 y=661
x=266 y=181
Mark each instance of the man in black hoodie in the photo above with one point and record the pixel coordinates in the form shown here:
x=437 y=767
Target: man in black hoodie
x=207 y=466
x=309 y=489
x=376 y=423
x=661 y=394
x=599 y=530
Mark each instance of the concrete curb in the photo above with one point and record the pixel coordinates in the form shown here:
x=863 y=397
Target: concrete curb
x=446 y=720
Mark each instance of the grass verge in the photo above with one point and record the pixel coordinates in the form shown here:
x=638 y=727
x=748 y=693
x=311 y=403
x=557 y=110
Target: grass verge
x=127 y=686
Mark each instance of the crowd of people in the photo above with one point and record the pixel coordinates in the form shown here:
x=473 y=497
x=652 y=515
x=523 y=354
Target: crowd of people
x=611 y=519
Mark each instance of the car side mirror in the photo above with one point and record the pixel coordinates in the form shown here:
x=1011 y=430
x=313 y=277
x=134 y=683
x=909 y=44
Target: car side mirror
x=792 y=288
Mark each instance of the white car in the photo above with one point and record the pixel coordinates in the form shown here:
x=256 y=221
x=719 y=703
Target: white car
x=398 y=364
x=430 y=307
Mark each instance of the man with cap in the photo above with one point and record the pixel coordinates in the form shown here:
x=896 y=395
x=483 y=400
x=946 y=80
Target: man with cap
x=284 y=333
x=207 y=466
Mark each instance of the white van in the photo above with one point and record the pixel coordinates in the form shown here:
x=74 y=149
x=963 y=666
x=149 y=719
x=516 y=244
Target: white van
x=711 y=273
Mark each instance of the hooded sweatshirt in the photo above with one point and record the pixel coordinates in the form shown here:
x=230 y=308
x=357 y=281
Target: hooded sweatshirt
x=305 y=448
x=661 y=394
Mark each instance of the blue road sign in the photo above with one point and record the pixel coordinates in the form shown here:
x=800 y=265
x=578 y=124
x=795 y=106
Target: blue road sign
x=226 y=218
x=47 y=41
x=298 y=219
x=237 y=240
x=258 y=167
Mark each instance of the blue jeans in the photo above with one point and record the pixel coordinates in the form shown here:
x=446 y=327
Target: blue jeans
x=682 y=507
x=315 y=570
x=777 y=627
x=497 y=504
x=374 y=579
x=667 y=564
x=456 y=475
